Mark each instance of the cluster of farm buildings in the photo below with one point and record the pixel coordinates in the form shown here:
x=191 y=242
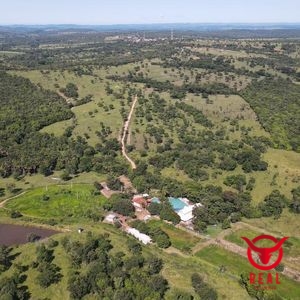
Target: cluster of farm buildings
x=182 y=206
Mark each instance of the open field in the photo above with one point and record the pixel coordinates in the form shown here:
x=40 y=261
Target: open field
x=57 y=128
x=87 y=116
x=235 y=265
x=191 y=116
x=58 y=202
x=39 y=180
x=291 y=247
x=287 y=225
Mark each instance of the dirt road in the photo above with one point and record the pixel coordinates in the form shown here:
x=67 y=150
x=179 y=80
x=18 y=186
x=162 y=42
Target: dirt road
x=6 y=200
x=125 y=131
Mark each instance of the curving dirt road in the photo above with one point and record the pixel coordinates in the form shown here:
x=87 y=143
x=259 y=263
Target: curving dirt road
x=125 y=131
x=6 y=200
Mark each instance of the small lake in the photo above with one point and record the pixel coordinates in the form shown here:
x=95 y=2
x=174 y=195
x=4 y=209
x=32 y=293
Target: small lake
x=18 y=234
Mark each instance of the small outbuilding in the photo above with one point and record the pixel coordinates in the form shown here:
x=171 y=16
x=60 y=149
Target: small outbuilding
x=110 y=218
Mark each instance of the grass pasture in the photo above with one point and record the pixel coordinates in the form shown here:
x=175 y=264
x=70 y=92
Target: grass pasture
x=57 y=128
x=180 y=239
x=287 y=225
x=291 y=247
x=58 y=202
x=87 y=116
x=283 y=174
x=177 y=270
x=235 y=265
x=39 y=180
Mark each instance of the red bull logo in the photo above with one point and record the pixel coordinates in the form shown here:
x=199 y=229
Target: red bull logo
x=266 y=258
x=265 y=254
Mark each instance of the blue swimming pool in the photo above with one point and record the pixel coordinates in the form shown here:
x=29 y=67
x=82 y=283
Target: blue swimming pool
x=155 y=200
x=177 y=203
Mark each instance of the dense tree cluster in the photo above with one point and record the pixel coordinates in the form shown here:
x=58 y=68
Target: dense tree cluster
x=25 y=109
x=220 y=206
x=121 y=203
x=113 y=276
x=277 y=105
x=49 y=273
x=114 y=183
x=11 y=288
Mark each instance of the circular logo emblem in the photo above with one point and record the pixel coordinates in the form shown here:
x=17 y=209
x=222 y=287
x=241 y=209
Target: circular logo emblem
x=265 y=254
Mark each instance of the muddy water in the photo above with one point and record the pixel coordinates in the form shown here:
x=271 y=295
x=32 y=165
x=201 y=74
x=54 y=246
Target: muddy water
x=17 y=234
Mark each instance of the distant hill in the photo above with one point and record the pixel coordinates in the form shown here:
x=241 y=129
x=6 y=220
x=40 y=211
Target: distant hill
x=240 y=30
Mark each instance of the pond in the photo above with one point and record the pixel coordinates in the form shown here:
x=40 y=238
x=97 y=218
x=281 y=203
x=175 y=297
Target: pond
x=18 y=234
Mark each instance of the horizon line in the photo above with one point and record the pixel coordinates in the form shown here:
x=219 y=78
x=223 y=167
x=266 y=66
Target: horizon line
x=153 y=23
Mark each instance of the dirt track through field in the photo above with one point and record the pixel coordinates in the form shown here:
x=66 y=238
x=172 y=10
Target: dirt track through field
x=229 y=246
x=6 y=200
x=125 y=132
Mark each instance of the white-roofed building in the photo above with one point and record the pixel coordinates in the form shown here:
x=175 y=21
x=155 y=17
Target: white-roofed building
x=144 y=238
x=186 y=214
x=110 y=218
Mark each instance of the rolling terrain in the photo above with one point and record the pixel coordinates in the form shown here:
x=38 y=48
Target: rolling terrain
x=215 y=120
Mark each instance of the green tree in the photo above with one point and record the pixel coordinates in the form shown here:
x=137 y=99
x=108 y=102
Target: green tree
x=154 y=265
x=49 y=274
x=4 y=258
x=295 y=204
x=44 y=255
x=71 y=90
x=202 y=288
x=122 y=205
x=273 y=204
x=168 y=214
x=226 y=224
x=236 y=181
x=134 y=246
x=78 y=286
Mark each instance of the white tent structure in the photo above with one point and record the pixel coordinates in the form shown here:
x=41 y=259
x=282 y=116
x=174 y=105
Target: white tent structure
x=145 y=239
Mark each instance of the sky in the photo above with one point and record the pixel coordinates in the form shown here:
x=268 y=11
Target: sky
x=107 y=12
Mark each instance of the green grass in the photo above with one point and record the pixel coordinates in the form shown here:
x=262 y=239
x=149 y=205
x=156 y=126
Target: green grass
x=87 y=116
x=180 y=239
x=64 y=201
x=220 y=107
x=287 y=225
x=235 y=237
x=57 y=128
x=10 y=53
x=218 y=256
x=39 y=180
x=236 y=264
x=213 y=230
x=177 y=270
